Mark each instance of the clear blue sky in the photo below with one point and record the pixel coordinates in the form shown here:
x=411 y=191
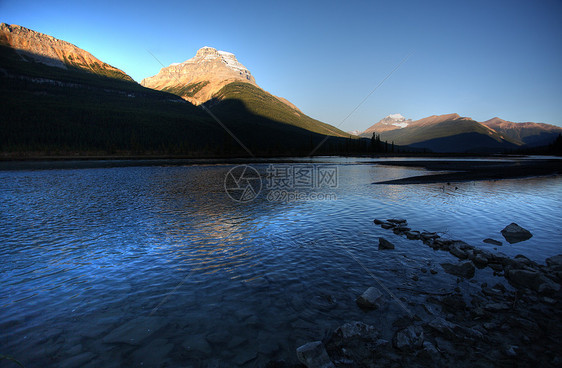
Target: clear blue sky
x=476 y=58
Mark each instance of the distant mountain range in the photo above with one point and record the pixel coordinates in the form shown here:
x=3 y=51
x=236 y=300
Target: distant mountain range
x=453 y=133
x=58 y=99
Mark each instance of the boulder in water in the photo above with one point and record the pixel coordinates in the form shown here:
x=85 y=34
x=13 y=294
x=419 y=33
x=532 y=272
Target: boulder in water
x=514 y=233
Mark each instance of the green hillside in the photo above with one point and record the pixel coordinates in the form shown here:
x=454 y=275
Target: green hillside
x=261 y=103
x=186 y=91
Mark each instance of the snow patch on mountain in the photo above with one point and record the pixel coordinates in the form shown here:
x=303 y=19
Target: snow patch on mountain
x=230 y=60
x=398 y=117
x=397 y=120
x=390 y=122
x=209 y=54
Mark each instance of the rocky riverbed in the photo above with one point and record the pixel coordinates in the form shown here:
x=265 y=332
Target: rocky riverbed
x=493 y=326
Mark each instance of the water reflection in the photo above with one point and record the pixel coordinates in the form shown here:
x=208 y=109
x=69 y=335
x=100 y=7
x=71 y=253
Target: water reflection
x=109 y=245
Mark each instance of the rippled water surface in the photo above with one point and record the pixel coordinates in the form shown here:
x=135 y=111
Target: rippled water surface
x=157 y=266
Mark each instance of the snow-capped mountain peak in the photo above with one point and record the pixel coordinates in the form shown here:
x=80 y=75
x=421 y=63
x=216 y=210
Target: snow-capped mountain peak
x=397 y=117
x=396 y=120
x=199 y=78
x=391 y=122
x=209 y=54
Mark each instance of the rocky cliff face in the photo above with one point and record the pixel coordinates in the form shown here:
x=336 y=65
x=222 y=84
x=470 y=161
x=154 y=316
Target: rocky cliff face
x=533 y=134
x=200 y=77
x=45 y=49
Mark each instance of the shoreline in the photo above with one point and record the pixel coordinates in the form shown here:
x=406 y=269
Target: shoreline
x=463 y=171
x=473 y=167
x=491 y=326
x=34 y=156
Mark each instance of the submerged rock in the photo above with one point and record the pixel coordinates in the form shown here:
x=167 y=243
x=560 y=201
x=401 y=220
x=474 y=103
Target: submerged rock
x=455 y=249
x=524 y=278
x=463 y=269
x=533 y=280
x=554 y=266
x=429 y=236
x=314 y=355
x=444 y=327
x=398 y=230
x=555 y=262
x=397 y=221
x=372 y=298
x=480 y=261
x=352 y=343
x=385 y=244
x=514 y=233
x=413 y=235
x=520 y=261
x=442 y=244
x=356 y=329
x=430 y=352
x=408 y=339
x=492 y=241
